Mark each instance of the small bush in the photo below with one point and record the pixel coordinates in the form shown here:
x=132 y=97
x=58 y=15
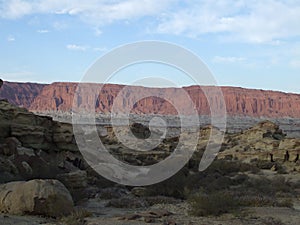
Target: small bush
x=255 y=200
x=267 y=165
x=288 y=203
x=225 y=167
x=270 y=187
x=76 y=218
x=173 y=187
x=212 y=204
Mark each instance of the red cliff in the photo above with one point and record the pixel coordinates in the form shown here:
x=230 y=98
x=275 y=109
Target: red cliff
x=239 y=101
x=20 y=94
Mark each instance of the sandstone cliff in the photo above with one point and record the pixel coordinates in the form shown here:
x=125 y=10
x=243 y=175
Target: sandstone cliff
x=239 y=101
x=20 y=94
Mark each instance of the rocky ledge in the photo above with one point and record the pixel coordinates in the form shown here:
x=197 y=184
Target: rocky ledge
x=43 y=173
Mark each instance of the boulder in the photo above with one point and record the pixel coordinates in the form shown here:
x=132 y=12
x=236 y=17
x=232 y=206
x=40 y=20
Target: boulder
x=27 y=168
x=8 y=171
x=4 y=150
x=74 y=180
x=25 y=151
x=140 y=131
x=140 y=191
x=36 y=197
x=12 y=144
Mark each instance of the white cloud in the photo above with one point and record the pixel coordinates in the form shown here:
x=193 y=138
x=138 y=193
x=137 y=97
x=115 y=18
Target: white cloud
x=97 y=12
x=59 y=25
x=15 y=9
x=98 y=32
x=236 y=20
x=254 y=21
x=76 y=47
x=230 y=59
x=43 y=31
x=11 y=38
x=103 y=49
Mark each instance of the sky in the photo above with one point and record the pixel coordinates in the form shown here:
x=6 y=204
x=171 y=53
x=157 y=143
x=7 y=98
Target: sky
x=245 y=43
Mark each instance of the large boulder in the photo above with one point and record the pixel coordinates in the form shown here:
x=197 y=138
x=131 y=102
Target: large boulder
x=140 y=131
x=36 y=197
x=76 y=182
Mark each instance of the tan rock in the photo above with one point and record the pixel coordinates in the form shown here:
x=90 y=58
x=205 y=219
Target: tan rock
x=38 y=197
x=289 y=144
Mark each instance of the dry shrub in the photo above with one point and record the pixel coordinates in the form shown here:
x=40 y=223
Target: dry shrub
x=215 y=204
x=76 y=218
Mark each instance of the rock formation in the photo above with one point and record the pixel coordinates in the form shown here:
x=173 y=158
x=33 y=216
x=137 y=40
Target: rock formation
x=239 y=101
x=265 y=141
x=36 y=132
x=38 y=197
x=20 y=94
x=41 y=167
x=35 y=147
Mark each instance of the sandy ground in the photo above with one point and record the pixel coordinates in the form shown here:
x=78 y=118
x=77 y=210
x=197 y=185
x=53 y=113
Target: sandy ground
x=111 y=216
x=251 y=216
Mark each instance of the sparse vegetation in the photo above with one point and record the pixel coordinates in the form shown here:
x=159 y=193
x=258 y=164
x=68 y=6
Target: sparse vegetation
x=203 y=204
x=173 y=187
x=267 y=165
x=272 y=221
x=76 y=218
x=216 y=202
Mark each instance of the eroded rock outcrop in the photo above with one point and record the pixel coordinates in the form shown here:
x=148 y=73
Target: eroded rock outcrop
x=265 y=141
x=36 y=197
x=36 y=147
x=36 y=132
x=20 y=94
x=238 y=101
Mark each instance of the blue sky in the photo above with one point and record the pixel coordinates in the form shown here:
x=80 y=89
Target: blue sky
x=252 y=43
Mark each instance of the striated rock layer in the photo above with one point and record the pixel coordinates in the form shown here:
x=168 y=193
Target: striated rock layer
x=20 y=94
x=238 y=101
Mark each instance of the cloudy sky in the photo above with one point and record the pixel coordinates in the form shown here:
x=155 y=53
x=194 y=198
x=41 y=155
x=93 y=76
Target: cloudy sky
x=249 y=43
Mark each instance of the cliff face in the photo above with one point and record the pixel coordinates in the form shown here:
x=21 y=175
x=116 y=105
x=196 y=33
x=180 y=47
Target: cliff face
x=256 y=103
x=239 y=101
x=20 y=94
x=56 y=96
